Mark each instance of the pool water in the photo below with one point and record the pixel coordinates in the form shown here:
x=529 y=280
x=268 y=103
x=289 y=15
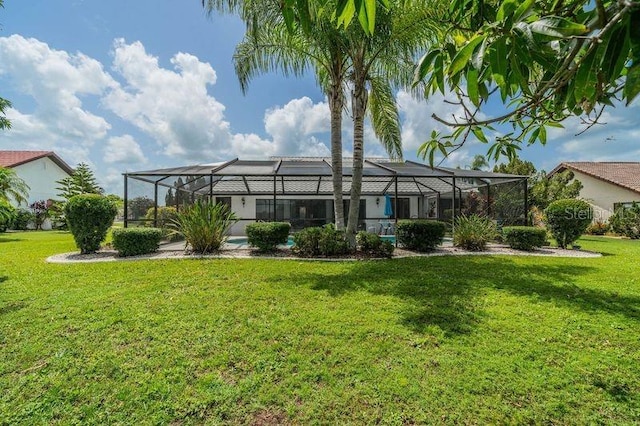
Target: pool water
x=244 y=241
x=390 y=238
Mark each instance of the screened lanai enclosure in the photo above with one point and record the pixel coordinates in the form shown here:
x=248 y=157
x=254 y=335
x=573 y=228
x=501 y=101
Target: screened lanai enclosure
x=300 y=191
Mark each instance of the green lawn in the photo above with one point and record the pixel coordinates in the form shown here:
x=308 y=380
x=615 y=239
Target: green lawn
x=469 y=340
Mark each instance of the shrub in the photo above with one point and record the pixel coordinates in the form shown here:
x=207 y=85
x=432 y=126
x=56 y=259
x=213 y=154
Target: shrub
x=420 y=235
x=266 y=236
x=373 y=245
x=165 y=220
x=89 y=216
x=205 y=225
x=40 y=212
x=58 y=219
x=7 y=211
x=598 y=228
x=135 y=241
x=524 y=237
x=316 y=241
x=473 y=232
x=626 y=221
x=568 y=219
x=21 y=220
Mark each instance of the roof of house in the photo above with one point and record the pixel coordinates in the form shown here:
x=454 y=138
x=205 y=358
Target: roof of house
x=297 y=175
x=623 y=174
x=17 y=158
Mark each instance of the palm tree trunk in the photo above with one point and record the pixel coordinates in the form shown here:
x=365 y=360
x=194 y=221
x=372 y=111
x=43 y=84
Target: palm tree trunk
x=335 y=106
x=359 y=105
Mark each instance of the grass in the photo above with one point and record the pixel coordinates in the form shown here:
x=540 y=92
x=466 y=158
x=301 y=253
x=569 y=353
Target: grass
x=470 y=340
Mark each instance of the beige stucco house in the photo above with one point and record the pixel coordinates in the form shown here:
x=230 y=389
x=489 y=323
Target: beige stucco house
x=605 y=184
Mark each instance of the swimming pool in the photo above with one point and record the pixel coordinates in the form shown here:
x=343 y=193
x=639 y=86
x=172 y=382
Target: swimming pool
x=243 y=241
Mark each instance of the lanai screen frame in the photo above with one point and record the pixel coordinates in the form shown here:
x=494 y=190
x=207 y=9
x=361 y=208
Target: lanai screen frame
x=301 y=169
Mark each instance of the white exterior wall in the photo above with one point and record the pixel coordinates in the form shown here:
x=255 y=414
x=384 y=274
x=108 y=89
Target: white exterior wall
x=603 y=195
x=41 y=176
x=249 y=209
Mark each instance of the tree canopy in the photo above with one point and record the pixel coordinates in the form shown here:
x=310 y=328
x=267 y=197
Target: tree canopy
x=12 y=187
x=82 y=181
x=543 y=60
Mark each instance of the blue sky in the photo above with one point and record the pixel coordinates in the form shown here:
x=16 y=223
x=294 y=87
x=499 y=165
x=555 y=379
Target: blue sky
x=131 y=85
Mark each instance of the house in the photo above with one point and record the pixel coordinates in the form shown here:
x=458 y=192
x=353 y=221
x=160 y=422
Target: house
x=606 y=185
x=300 y=190
x=39 y=169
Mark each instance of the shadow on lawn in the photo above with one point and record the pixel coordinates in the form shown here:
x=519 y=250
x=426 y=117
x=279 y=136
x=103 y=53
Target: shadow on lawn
x=446 y=292
x=9 y=240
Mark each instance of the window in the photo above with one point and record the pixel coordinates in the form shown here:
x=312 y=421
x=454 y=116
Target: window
x=302 y=213
x=224 y=200
x=404 y=207
x=362 y=212
x=264 y=209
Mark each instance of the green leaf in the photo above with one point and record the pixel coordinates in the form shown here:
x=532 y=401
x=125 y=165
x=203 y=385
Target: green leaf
x=370 y=6
x=498 y=56
x=477 y=58
x=463 y=56
x=479 y=134
x=557 y=27
x=523 y=9
x=632 y=84
x=424 y=65
x=472 y=86
x=438 y=70
x=506 y=9
x=543 y=135
x=534 y=136
x=345 y=10
x=584 y=83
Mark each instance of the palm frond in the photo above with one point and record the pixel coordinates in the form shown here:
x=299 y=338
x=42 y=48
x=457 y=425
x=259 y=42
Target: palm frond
x=385 y=117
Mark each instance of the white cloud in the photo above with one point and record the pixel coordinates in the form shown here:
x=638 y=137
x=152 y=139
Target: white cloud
x=615 y=139
x=56 y=81
x=123 y=149
x=292 y=127
x=173 y=106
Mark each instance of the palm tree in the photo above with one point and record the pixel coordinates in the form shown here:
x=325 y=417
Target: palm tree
x=374 y=66
x=479 y=162
x=12 y=187
x=275 y=47
x=381 y=63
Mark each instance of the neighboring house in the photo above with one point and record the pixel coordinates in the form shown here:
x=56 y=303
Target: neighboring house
x=605 y=184
x=40 y=170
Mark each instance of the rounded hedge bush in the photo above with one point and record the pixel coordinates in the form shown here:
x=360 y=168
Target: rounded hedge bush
x=420 y=235
x=568 y=219
x=136 y=241
x=316 y=241
x=371 y=244
x=89 y=217
x=166 y=220
x=626 y=221
x=266 y=236
x=524 y=237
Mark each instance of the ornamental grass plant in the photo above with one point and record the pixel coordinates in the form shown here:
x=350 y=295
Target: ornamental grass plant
x=205 y=225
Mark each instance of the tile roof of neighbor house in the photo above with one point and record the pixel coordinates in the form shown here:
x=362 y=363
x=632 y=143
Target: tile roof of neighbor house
x=623 y=174
x=16 y=158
